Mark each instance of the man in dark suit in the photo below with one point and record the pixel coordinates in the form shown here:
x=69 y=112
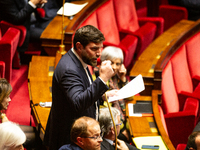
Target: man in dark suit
x=108 y=131
x=85 y=135
x=73 y=92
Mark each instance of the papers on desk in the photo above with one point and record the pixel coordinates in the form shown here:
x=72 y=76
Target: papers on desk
x=134 y=87
x=71 y=9
x=151 y=141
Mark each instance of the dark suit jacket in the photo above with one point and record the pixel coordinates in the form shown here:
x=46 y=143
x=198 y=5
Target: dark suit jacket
x=70 y=147
x=107 y=146
x=72 y=97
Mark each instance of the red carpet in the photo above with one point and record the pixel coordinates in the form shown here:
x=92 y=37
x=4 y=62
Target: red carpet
x=19 y=108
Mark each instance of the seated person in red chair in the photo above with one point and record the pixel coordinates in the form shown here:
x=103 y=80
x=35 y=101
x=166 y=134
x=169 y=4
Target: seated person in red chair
x=118 y=80
x=33 y=140
x=22 y=12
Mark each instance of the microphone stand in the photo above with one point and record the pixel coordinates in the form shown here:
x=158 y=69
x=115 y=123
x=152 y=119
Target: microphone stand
x=61 y=50
x=112 y=121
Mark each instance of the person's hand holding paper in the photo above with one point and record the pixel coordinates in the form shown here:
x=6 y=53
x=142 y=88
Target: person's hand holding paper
x=134 y=87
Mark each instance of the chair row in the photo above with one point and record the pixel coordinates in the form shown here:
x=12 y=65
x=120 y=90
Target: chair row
x=121 y=27
x=10 y=38
x=181 y=90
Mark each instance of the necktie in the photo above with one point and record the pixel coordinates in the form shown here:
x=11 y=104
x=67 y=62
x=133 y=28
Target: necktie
x=90 y=80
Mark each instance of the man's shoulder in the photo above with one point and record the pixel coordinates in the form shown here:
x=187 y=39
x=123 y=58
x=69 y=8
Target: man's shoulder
x=70 y=147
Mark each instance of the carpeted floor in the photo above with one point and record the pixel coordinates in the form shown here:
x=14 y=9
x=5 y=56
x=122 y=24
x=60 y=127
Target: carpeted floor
x=19 y=110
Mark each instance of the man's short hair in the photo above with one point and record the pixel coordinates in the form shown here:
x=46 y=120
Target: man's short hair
x=80 y=127
x=105 y=119
x=191 y=139
x=87 y=34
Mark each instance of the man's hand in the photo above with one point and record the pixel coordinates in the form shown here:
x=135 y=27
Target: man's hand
x=110 y=93
x=38 y=2
x=121 y=145
x=106 y=71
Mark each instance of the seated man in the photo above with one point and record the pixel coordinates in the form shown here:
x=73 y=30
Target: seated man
x=85 y=135
x=107 y=129
x=193 y=141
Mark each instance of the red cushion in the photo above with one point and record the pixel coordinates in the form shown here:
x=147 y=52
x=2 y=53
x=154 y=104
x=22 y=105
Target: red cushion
x=169 y=94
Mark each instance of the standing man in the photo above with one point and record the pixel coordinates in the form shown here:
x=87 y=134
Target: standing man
x=85 y=135
x=73 y=92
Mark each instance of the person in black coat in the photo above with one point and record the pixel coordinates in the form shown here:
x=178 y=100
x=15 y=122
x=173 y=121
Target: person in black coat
x=108 y=132
x=22 y=12
x=74 y=94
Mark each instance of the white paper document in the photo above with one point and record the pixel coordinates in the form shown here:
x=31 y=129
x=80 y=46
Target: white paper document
x=71 y=9
x=134 y=87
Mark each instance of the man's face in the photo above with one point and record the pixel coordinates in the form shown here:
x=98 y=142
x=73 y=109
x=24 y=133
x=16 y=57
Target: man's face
x=91 y=52
x=92 y=143
x=197 y=141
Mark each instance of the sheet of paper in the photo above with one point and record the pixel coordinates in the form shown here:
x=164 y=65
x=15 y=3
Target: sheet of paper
x=71 y=9
x=134 y=87
x=150 y=140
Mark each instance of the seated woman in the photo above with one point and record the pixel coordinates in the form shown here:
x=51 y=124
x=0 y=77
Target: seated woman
x=32 y=141
x=115 y=55
x=12 y=137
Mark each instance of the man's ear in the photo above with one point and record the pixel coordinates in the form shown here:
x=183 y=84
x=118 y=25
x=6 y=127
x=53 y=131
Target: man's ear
x=79 y=46
x=112 y=130
x=79 y=140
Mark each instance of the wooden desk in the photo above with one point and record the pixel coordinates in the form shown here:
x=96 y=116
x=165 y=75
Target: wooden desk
x=51 y=36
x=148 y=125
x=146 y=62
x=40 y=83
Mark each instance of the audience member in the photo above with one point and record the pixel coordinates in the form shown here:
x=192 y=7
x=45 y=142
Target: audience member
x=23 y=12
x=12 y=137
x=32 y=141
x=74 y=94
x=193 y=141
x=107 y=129
x=192 y=6
x=85 y=135
x=117 y=81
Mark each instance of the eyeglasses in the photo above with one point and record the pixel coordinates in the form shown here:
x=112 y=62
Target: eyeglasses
x=94 y=137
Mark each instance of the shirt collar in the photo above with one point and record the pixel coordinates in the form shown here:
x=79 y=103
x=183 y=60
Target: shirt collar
x=84 y=64
x=109 y=141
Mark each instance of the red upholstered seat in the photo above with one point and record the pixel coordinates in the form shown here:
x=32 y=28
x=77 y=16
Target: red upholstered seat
x=11 y=59
x=193 y=57
x=181 y=146
x=8 y=45
x=167 y=11
x=182 y=78
x=146 y=29
x=175 y=114
x=2 y=69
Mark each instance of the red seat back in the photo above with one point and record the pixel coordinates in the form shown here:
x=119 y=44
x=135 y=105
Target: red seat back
x=126 y=15
x=107 y=23
x=170 y=101
x=193 y=55
x=181 y=73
